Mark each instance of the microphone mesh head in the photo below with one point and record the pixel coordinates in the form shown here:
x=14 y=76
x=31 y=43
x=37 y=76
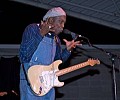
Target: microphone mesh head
x=66 y=31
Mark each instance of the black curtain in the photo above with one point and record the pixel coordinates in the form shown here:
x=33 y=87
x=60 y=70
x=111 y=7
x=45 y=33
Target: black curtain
x=9 y=77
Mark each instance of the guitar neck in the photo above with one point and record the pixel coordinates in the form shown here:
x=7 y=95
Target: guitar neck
x=72 y=68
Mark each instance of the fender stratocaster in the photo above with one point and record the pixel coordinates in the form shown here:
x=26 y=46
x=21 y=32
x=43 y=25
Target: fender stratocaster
x=42 y=78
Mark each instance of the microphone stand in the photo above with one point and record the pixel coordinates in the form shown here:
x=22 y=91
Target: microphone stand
x=112 y=56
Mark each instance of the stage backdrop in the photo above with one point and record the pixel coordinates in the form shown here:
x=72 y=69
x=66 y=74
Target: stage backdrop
x=88 y=83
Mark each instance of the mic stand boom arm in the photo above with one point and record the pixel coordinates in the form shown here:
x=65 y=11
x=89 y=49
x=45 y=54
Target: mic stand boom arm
x=112 y=56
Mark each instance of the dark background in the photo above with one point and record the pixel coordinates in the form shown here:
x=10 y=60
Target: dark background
x=89 y=83
x=14 y=17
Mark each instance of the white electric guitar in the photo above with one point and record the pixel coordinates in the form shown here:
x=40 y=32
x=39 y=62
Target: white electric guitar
x=42 y=78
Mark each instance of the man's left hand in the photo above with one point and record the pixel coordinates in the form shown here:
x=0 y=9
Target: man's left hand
x=71 y=44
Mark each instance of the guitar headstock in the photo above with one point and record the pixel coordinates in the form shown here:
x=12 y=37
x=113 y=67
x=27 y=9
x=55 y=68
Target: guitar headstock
x=92 y=61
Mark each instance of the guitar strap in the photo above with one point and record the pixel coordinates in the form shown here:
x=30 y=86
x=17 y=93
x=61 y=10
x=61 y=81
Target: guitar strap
x=58 y=43
x=25 y=74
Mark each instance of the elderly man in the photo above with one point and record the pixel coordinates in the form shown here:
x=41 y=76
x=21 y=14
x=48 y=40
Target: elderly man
x=41 y=46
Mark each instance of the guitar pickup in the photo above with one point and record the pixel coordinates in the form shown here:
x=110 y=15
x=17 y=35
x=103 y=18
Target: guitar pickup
x=41 y=79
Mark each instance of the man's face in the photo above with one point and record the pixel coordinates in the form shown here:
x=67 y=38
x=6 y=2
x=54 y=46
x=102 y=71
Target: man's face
x=58 y=24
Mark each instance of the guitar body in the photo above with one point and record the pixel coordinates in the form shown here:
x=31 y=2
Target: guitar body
x=42 y=78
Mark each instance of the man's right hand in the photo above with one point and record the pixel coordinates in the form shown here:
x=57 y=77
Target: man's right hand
x=45 y=27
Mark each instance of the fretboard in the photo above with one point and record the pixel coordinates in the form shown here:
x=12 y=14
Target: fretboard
x=72 y=68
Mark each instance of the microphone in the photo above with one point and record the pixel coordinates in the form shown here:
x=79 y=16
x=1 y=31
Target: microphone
x=75 y=36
